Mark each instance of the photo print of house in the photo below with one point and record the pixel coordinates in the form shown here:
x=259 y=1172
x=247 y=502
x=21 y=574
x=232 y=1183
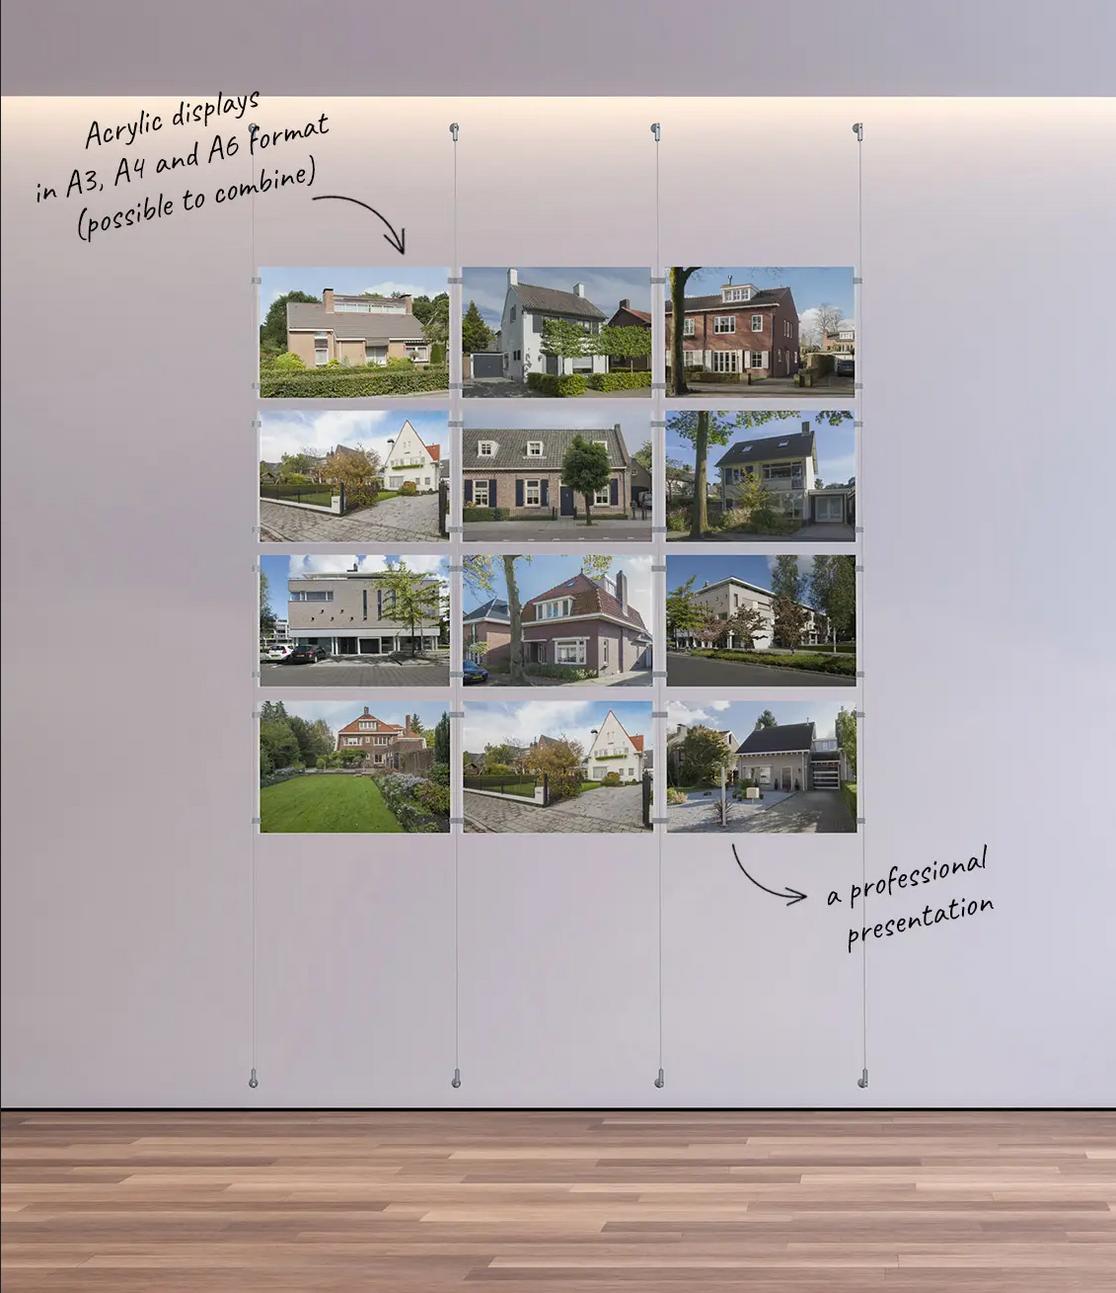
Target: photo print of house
x=334 y=332
x=582 y=619
x=344 y=766
x=361 y=475
x=354 y=621
x=776 y=768
x=752 y=621
x=767 y=475
x=542 y=767
x=557 y=331
x=583 y=473
x=760 y=331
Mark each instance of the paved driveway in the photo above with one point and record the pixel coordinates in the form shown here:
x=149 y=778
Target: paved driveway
x=830 y=385
x=635 y=678
x=610 y=809
x=356 y=673
x=811 y=532
x=560 y=531
x=394 y=518
x=699 y=671
x=806 y=812
x=500 y=388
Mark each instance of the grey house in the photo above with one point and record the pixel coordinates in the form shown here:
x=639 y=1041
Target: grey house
x=786 y=466
x=790 y=758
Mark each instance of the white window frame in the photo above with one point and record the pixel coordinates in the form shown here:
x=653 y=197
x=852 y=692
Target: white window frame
x=555 y=609
x=755 y=358
x=757 y=322
x=534 y=448
x=532 y=487
x=688 y=327
x=580 y=650
x=724 y=361
x=480 y=487
x=598 y=501
x=724 y=323
x=321 y=349
x=486 y=448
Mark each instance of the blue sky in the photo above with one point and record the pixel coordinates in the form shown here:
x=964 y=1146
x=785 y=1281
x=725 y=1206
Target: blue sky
x=836 y=446
x=279 y=568
x=283 y=432
x=580 y=415
x=520 y=722
x=338 y=713
x=606 y=288
x=753 y=570
x=739 y=717
x=811 y=285
x=383 y=279
x=540 y=573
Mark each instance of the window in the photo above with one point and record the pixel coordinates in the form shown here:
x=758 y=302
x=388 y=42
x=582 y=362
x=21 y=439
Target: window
x=321 y=349
x=555 y=609
x=352 y=740
x=305 y=595
x=486 y=448
x=757 y=322
x=687 y=327
x=375 y=354
x=736 y=293
x=534 y=448
x=755 y=359
x=366 y=725
x=726 y=361
x=532 y=493
x=602 y=496
x=480 y=493
x=517 y=355
x=602 y=443
x=569 y=651
x=511 y=316
x=604 y=665
x=725 y=322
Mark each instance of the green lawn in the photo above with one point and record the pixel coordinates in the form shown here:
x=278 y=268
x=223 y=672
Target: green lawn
x=329 y=802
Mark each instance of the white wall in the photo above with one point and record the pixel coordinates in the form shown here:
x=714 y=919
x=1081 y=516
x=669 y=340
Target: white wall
x=129 y=490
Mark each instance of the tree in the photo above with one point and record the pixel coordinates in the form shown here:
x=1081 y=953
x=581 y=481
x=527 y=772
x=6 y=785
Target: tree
x=475 y=333
x=358 y=470
x=765 y=720
x=833 y=592
x=435 y=328
x=786 y=579
x=746 y=624
x=273 y=330
x=314 y=739
x=479 y=575
x=845 y=731
x=685 y=615
x=410 y=598
x=596 y=565
x=417 y=725
x=644 y=455
x=677 y=278
x=267 y=615
x=620 y=344
x=701 y=754
x=816 y=324
x=560 y=761
x=564 y=339
x=789 y=622
x=442 y=740
x=422 y=307
x=305 y=463
x=586 y=469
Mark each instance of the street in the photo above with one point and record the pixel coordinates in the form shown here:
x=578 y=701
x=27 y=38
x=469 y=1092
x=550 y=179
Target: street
x=697 y=671
x=356 y=673
x=559 y=531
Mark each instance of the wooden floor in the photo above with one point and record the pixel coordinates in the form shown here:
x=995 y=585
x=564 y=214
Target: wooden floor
x=570 y=1201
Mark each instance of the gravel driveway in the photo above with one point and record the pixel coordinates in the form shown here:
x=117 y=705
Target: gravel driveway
x=806 y=812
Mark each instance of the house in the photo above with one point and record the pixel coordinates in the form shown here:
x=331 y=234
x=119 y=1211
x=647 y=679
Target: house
x=586 y=623
x=614 y=750
x=626 y=317
x=742 y=329
x=640 y=485
x=411 y=459
x=355 y=330
x=841 y=339
x=520 y=471
x=527 y=308
x=350 y=615
x=385 y=745
x=487 y=632
x=725 y=597
x=790 y=757
x=677 y=735
x=787 y=468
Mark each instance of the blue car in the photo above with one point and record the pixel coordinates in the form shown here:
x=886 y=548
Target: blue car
x=473 y=673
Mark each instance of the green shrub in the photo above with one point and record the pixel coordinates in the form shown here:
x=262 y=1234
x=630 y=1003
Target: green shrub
x=361 y=495
x=848 y=794
x=397 y=363
x=677 y=522
x=287 y=362
x=433 y=797
x=817 y=661
x=349 y=383
x=559 y=387
x=470 y=513
x=408 y=487
x=611 y=779
x=566 y=672
x=702 y=375
x=619 y=381
x=675 y=796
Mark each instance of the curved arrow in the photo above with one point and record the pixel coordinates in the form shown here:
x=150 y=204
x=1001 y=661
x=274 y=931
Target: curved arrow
x=397 y=240
x=792 y=895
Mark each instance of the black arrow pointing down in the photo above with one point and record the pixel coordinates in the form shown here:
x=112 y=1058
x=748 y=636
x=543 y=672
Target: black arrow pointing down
x=397 y=240
x=791 y=895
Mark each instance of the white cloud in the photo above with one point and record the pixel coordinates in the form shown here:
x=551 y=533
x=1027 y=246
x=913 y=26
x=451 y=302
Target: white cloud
x=339 y=563
x=387 y=286
x=318 y=433
x=521 y=723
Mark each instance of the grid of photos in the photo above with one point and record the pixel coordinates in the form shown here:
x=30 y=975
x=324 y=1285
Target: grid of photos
x=736 y=617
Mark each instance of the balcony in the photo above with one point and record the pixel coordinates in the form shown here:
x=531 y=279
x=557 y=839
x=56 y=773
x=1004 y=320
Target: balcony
x=825 y=747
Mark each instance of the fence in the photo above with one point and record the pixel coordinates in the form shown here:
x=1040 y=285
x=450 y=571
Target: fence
x=647 y=781
x=511 y=785
x=312 y=497
x=443 y=508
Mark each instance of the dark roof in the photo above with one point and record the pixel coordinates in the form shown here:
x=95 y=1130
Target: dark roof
x=640 y=474
x=769 y=296
x=511 y=446
x=304 y=315
x=589 y=598
x=549 y=300
x=778 y=740
x=642 y=316
x=798 y=444
x=493 y=609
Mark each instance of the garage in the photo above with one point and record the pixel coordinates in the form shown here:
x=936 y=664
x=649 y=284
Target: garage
x=488 y=363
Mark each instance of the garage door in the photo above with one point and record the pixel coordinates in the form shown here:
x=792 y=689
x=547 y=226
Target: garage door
x=488 y=364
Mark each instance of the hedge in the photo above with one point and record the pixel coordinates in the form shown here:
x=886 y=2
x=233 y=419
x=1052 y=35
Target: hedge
x=567 y=672
x=817 y=662
x=619 y=381
x=350 y=383
x=484 y=513
x=552 y=384
x=848 y=794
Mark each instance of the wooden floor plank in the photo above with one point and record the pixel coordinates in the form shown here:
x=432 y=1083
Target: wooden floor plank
x=905 y=1202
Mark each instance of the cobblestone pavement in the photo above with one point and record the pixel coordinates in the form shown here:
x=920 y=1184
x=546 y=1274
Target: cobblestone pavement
x=394 y=518
x=561 y=531
x=610 y=809
x=356 y=673
x=807 y=812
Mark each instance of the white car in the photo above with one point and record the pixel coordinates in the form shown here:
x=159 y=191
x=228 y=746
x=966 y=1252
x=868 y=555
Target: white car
x=278 y=651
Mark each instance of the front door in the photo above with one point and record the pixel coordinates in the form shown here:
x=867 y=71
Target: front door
x=786 y=778
x=830 y=509
x=567 y=501
x=346 y=646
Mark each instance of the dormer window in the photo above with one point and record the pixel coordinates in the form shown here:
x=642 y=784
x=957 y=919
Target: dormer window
x=732 y=293
x=602 y=443
x=486 y=448
x=534 y=448
x=555 y=609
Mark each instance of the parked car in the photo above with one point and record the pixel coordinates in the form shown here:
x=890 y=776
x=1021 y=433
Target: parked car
x=278 y=651
x=473 y=672
x=304 y=653
x=845 y=366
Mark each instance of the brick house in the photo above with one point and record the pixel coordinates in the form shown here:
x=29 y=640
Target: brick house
x=520 y=471
x=586 y=623
x=349 y=613
x=742 y=330
x=627 y=317
x=386 y=745
x=487 y=632
x=355 y=330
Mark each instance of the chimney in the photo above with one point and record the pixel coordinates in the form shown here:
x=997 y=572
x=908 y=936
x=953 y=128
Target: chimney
x=625 y=303
x=579 y=289
x=366 y=711
x=622 y=589
x=327 y=299
x=805 y=428
x=513 y=277
x=408 y=303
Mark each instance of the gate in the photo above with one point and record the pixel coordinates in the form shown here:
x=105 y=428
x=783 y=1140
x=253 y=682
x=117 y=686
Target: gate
x=488 y=364
x=443 y=508
x=647 y=799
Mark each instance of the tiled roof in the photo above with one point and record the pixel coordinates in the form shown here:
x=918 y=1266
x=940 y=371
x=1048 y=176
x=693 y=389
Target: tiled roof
x=589 y=598
x=493 y=609
x=769 y=297
x=371 y=718
x=305 y=315
x=511 y=446
x=798 y=444
x=549 y=300
x=778 y=740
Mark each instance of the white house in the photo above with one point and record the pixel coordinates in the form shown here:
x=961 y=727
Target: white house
x=725 y=597
x=409 y=458
x=613 y=750
x=526 y=310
